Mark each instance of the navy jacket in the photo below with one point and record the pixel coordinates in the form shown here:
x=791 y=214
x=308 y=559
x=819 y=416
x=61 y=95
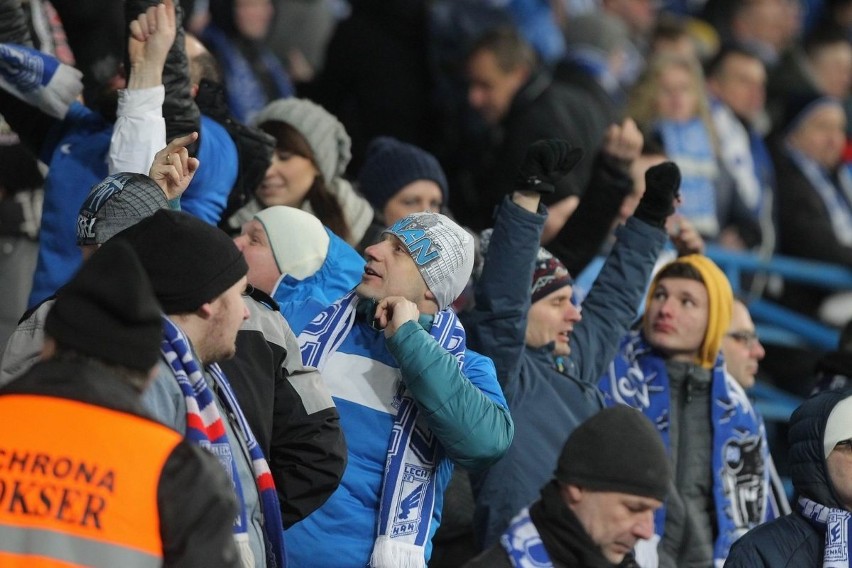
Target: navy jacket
x=546 y=404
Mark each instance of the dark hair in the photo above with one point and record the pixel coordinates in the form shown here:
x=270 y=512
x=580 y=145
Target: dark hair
x=510 y=49
x=680 y=270
x=713 y=68
x=324 y=204
x=822 y=37
x=669 y=27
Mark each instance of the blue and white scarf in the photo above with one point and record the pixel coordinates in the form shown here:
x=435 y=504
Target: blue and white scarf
x=837 y=198
x=39 y=79
x=523 y=544
x=688 y=144
x=413 y=451
x=741 y=465
x=205 y=427
x=835 y=523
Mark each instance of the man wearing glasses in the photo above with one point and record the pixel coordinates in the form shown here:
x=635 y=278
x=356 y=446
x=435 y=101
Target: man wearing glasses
x=741 y=347
x=816 y=533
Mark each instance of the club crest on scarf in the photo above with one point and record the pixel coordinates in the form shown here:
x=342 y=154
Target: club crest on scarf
x=523 y=543
x=743 y=476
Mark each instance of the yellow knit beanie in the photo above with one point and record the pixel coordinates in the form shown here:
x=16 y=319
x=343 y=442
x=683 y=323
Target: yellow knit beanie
x=720 y=304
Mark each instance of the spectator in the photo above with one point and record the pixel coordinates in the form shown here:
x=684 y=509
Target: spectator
x=198 y=277
x=391 y=353
x=520 y=103
x=669 y=103
x=816 y=533
x=639 y=16
x=252 y=75
x=296 y=260
x=814 y=197
x=311 y=153
x=741 y=347
x=164 y=502
x=612 y=474
x=671 y=370
x=399 y=179
x=548 y=356
x=736 y=81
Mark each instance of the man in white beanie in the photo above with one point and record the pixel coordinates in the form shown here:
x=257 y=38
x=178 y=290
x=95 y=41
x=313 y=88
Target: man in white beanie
x=817 y=532
x=391 y=352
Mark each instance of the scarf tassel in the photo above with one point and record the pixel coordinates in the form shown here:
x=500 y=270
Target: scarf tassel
x=390 y=554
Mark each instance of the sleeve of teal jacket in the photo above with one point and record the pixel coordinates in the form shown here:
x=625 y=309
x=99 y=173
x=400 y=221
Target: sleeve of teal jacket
x=474 y=429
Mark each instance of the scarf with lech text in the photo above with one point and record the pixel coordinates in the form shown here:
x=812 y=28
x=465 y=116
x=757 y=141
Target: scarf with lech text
x=413 y=451
x=741 y=465
x=204 y=427
x=835 y=524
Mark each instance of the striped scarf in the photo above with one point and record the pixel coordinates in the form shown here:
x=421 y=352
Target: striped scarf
x=204 y=427
x=408 y=488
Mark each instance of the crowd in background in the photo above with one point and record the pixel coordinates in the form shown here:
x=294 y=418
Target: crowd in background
x=311 y=133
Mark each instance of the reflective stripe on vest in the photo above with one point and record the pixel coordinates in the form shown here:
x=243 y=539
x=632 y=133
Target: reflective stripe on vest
x=78 y=484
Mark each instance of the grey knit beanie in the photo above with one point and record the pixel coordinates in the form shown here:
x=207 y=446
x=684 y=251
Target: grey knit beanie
x=442 y=251
x=618 y=449
x=324 y=133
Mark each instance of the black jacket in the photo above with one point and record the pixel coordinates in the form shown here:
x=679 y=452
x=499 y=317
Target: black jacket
x=289 y=410
x=541 y=109
x=194 y=496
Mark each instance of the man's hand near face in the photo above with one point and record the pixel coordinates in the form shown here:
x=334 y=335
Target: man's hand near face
x=393 y=312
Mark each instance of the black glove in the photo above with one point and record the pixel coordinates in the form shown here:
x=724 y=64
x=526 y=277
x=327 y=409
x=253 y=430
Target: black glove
x=662 y=183
x=546 y=162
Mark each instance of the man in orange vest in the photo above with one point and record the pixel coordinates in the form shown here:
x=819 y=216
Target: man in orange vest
x=86 y=477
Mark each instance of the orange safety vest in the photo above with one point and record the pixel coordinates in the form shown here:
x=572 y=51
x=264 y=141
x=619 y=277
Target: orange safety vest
x=78 y=484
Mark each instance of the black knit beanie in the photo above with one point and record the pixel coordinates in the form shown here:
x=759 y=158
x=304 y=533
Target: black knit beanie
x=618 y=449
x=188 y=261
x=108 y=310
x=390 y=165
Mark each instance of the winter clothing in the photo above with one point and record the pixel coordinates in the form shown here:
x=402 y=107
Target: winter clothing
x=391 y=165
x=794 y=540
x=466 y=414
x=596 y=452
x=442 y=251
x=325 y=135
x=714 y=499
x=298 y=240
x=548 y=397
x=558 y=531
x=122 y=317
x=210 y=262
x=289 y=409
x=117 y=202
x=185 y=504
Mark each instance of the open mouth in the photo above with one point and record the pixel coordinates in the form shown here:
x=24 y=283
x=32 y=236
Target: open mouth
x=370 y=272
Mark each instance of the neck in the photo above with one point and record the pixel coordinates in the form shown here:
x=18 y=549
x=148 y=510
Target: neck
x=193 y=327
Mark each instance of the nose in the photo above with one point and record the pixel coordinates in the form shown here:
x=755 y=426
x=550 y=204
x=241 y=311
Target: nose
x=240 y=241
x=573 y=313
x=373 y=252
x=245 y=311
x=644 y=527
x=757 y=350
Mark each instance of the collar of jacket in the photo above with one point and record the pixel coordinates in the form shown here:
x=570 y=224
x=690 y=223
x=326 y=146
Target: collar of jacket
x=365 y=311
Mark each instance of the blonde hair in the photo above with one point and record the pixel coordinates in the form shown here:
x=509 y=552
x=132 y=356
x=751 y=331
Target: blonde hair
x=642 y=99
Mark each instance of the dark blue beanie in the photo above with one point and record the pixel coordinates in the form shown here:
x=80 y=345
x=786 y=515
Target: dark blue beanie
x=391 y=165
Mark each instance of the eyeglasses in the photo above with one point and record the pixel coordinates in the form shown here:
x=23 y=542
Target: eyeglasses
x=844 y=445
x=747 y=338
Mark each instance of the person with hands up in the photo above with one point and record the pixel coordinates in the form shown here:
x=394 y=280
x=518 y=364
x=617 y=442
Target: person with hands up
x=392 y=353
x=548 y=356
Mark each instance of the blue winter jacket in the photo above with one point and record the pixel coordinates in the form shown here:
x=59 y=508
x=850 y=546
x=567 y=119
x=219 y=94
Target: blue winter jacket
x=467 y=413
x=546 y=404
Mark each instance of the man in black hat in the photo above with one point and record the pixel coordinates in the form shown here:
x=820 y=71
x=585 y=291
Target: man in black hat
x=199 y=277
x=612 y=475
x=87 y=477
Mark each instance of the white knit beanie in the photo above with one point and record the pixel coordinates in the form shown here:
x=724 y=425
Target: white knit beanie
x=839 y=425
x=442 y=251
x=298 y=240
x=324 y=133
